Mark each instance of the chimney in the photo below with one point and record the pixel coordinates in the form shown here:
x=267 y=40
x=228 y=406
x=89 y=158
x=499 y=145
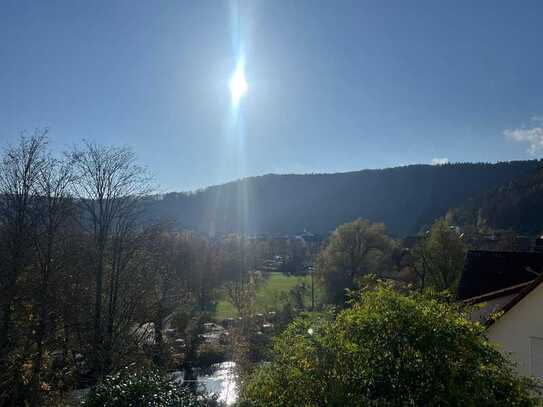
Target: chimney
x=538 y=246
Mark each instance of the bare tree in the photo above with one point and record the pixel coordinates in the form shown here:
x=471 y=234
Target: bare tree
x=241 y=294
x=109 y=188
x=19 y=172
x=168 y=276
x=51 y=211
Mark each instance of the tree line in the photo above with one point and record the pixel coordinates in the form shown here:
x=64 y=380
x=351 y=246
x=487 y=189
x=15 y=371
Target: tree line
x=362 y=248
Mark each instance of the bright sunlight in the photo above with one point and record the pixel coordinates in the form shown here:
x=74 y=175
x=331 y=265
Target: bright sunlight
x=238 y=84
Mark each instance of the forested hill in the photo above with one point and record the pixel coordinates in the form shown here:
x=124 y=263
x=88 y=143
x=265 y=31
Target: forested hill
x=404 y=198
x=516 y=205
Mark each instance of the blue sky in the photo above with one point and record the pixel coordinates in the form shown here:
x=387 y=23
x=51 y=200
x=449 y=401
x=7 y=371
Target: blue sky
x=333 y=85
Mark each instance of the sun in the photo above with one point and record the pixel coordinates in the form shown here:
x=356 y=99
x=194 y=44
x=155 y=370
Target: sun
x=238 y=84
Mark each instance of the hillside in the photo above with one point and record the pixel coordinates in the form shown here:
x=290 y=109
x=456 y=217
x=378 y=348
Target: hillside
x=404 y=198
x=517 y=205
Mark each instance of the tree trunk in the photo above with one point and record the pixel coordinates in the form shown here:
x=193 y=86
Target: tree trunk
x=159 y=339
x=6 y=315
x=37 y=362
x=97 y=345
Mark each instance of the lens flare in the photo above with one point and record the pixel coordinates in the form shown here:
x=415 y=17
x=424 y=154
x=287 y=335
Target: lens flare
x=238 y=84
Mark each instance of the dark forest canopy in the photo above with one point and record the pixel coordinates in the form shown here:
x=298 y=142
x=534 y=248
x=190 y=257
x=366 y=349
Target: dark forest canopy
x=404 y=198
x=515 y=205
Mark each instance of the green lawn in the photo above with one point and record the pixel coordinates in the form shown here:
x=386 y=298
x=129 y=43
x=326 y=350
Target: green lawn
x=268 y=295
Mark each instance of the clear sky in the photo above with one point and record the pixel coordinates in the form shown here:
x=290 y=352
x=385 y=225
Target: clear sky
x=333 y=85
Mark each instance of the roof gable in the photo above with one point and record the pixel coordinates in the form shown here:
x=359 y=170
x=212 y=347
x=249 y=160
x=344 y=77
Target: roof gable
x=489 y=271
x=515 y=300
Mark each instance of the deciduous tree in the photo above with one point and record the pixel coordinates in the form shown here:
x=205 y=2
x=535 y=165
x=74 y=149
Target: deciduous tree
x=109 y=189
x=438 y=259
x=355 y=249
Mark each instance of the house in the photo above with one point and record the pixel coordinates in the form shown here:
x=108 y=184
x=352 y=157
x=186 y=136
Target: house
x=508 y=288
x=519 y=329
x=496 y=277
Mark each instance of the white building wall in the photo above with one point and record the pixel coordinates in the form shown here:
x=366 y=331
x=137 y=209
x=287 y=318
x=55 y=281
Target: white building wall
x=520 y=333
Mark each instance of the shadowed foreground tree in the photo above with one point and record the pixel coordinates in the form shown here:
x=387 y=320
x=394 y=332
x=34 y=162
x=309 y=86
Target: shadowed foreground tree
x=109 y=188
x=355 y=249
x=72 y=241
x=389 y=349
x=53 y=214
x=168 y=276
x=20 y=171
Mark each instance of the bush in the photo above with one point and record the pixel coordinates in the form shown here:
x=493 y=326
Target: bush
x=148 y=388
x=389 y=349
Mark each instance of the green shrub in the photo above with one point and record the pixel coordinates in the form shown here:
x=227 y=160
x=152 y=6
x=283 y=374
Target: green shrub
x=389 y=349
x=147 y=388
